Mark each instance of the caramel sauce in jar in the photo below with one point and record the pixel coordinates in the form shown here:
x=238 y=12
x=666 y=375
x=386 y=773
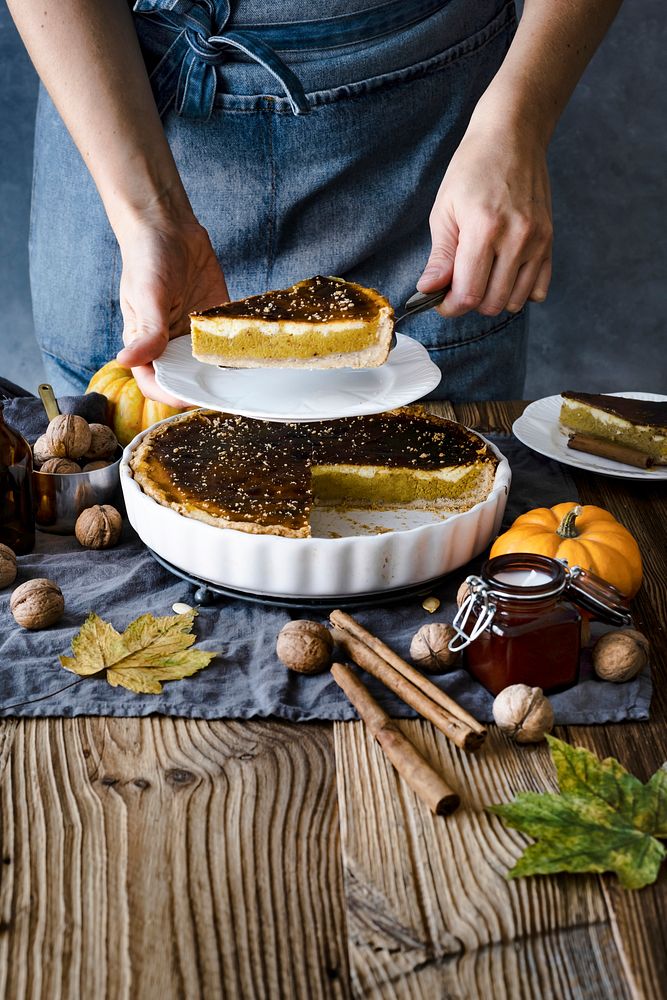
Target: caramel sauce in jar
x=520 y=624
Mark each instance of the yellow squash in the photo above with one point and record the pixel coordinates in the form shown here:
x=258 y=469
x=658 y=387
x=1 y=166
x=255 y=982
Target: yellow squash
x=129 y=410
x=586 y=536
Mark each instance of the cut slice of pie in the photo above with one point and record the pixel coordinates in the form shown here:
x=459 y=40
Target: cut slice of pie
x=636 y=423
x=265 y=477
x=318 y=323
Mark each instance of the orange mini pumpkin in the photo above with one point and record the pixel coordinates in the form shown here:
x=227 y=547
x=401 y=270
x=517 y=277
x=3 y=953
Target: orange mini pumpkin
x=586 y=536
x=129 y=411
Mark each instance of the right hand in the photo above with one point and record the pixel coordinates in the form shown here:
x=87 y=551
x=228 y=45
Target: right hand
x=169 y=270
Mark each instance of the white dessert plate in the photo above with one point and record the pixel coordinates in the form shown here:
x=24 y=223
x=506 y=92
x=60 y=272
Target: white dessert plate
x=539 y=428
x=291 y=394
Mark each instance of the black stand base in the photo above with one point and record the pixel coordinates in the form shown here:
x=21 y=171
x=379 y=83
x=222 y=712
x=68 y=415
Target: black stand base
x=210 y=594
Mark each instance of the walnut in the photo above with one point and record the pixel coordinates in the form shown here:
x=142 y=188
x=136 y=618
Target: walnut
x=523 y=713
x=304 y=646
x=98 y=527
x=462 y=592
x=68 y=436
x=621 y=655
x=41 y=451
x=103 y=442
x=8 y=567
x=428 y=649
x=93 y=466
x=37 y=604
x=60 y=466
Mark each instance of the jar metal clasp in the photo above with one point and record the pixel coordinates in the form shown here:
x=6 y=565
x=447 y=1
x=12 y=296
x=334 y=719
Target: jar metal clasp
x=479 y=598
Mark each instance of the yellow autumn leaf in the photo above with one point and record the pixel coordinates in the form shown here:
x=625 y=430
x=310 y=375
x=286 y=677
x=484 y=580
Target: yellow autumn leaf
x=95 y=646
x=151 y=650
x=147 y=680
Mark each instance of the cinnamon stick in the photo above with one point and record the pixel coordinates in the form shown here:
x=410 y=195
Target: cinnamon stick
x=344 y=621
x=424 y=781
x=609 y=449
x=407 y=682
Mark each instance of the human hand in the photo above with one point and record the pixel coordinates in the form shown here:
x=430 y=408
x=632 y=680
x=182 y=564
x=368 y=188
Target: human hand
x=169 y=270
x=491 y=224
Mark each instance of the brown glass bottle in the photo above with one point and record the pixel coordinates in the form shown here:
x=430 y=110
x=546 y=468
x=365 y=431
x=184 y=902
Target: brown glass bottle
x=17 y=518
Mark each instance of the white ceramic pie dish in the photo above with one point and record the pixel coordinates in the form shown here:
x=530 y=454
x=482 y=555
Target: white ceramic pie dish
x=317 y=567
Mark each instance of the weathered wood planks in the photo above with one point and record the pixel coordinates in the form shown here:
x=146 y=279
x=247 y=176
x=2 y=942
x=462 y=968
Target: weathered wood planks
x=160 y=858
x=429 y=913
x=427 y=901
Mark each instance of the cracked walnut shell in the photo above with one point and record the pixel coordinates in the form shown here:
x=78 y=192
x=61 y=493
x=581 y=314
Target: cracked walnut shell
x=524 y=713
x=619 y=656
x=429 y=649
x=8 y=567
x=37 y=604
x=60 y=466
x=40 y=451
x=98 y=527
x=94 y=466
x=68 y=436
x=304 y=646
x=103 y=443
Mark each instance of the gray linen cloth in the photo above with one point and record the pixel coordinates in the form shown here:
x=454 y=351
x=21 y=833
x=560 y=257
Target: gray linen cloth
x=27 y=415
x=246 y=680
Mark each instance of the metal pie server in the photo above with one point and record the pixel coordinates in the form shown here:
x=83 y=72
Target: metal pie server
x=418 y=303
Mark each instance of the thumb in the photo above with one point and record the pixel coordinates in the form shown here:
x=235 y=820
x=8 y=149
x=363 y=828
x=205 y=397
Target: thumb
x=439 y=268
x=145 y=339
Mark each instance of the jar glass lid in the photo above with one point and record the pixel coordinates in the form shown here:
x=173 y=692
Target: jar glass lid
x=525 y=576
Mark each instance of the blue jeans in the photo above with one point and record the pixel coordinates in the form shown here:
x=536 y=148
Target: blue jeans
x=344 y=189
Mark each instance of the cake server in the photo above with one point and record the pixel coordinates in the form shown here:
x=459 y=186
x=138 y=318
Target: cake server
x=418 y=303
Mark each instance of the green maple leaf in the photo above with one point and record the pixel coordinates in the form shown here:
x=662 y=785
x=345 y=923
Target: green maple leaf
x=149 y=651
x=603 y=819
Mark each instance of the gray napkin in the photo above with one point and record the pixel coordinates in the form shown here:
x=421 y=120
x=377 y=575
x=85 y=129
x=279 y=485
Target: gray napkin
x=246 y=680
x=28 y=417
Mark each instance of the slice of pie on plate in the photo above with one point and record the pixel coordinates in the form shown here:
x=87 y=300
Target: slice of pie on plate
x=640 y=424
x=322 y=322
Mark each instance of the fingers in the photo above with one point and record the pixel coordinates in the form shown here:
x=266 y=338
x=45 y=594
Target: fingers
x=499 y=267
x=526 y=284
x=145 y=379
x=542 y=282
x=440 y=265
x=472 y=266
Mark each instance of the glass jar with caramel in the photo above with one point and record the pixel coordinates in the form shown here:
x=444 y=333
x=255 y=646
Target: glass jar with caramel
x=520 y=623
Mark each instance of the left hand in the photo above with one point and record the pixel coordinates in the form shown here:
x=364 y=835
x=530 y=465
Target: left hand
x=491 y=226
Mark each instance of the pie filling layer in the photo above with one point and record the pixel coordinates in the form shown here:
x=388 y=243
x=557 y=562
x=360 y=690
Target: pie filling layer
x=242 y=339
x=265 y=477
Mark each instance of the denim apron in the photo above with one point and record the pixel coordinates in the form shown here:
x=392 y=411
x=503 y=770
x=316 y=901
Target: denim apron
x=305 y=146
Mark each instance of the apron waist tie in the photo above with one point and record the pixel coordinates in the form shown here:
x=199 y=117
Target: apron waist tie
x=199 y=37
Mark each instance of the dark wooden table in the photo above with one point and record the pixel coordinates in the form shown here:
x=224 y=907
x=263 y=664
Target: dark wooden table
x=158 y=858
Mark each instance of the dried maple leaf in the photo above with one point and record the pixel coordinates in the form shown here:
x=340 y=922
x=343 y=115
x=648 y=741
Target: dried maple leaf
x=603 y=819
x=149 y=651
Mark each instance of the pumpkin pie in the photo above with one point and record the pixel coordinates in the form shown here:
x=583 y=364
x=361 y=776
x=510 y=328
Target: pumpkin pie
x=265 y=477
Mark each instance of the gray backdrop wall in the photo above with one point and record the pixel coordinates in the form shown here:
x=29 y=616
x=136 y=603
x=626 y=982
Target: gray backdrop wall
x=602 y=326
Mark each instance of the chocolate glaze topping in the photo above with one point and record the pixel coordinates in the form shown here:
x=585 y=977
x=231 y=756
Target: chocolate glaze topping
x=256 y=470
x=317 y=299
x=650 y=412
